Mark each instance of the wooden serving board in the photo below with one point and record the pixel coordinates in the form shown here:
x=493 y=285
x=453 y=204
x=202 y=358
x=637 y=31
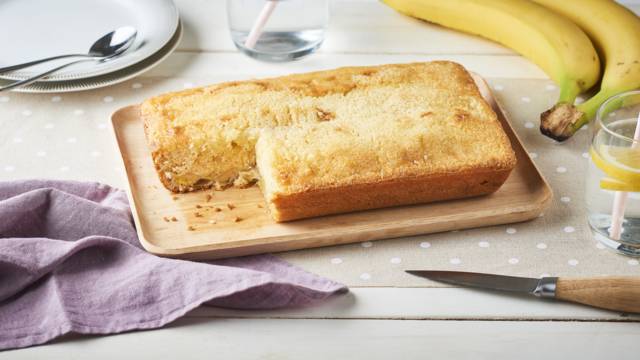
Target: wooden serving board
x=233 y=222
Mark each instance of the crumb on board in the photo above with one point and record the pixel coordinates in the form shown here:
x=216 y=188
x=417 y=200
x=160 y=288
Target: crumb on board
x=260 y=206
x=190 y=228
x=166 y=219
x=231 y=206
x=175 y=198
x=209 y=197
x=198 y=206
x=197 y=214
x=217 y=209
x=237 y=219
x=174 y=219
x=212 y=221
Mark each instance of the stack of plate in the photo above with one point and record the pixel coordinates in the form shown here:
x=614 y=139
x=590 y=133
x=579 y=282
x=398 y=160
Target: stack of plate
x=34 y=29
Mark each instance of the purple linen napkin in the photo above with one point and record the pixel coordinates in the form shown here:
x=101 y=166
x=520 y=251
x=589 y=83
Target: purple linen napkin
x=70 y=261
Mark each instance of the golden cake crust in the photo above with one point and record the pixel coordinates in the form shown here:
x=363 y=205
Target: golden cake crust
x=418 y=142
x=381 y=194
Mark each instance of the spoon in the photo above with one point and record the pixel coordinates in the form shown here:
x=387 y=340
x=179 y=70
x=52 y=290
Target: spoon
x=105 y=48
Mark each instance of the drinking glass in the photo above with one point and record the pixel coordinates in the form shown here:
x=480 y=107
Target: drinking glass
x=294 y=28
x=613 y=175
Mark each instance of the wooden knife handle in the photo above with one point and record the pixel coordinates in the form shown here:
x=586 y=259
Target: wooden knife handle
x=619 y=293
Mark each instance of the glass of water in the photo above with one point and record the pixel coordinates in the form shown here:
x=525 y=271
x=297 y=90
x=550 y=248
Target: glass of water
x=291 y=28
x=613 y=175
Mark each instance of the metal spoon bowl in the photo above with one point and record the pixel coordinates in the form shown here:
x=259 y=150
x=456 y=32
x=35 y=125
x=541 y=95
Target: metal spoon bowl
x=113 y=43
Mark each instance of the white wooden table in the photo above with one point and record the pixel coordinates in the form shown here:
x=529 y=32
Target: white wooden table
x=369 y=323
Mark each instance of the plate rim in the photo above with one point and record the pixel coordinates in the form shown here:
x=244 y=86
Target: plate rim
x=22 y=74
x=100 y=81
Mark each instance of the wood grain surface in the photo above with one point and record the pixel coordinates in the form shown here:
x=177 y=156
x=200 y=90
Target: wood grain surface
x=619 y=293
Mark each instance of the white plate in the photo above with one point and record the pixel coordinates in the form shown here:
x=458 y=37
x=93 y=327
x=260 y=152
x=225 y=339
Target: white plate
x=102 y=80
x=34 y=29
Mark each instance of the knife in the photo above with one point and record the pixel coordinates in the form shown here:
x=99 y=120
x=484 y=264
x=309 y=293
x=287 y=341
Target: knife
x=619 y=293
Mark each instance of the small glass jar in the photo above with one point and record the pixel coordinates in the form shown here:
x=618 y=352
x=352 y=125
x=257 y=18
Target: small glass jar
x=613 y=175
x=292 y=28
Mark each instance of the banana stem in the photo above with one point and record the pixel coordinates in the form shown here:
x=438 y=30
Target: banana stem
x=590 y=107
x=557 y=122
x=569 y=90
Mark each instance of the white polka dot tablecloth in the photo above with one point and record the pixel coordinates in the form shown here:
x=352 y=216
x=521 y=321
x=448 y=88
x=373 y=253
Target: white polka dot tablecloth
x=68 y=136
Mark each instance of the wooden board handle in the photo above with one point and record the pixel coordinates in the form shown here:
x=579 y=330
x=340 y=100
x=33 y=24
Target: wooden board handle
x=617 y=293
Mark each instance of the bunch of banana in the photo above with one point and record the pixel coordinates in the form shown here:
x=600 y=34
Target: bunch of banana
x=546 y=33
x=615 y=31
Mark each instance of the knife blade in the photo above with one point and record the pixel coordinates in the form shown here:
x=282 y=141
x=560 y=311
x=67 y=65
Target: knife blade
x=544 y=287
x=619 y=293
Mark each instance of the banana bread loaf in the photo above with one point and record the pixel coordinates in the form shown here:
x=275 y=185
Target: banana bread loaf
x=334 y=141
